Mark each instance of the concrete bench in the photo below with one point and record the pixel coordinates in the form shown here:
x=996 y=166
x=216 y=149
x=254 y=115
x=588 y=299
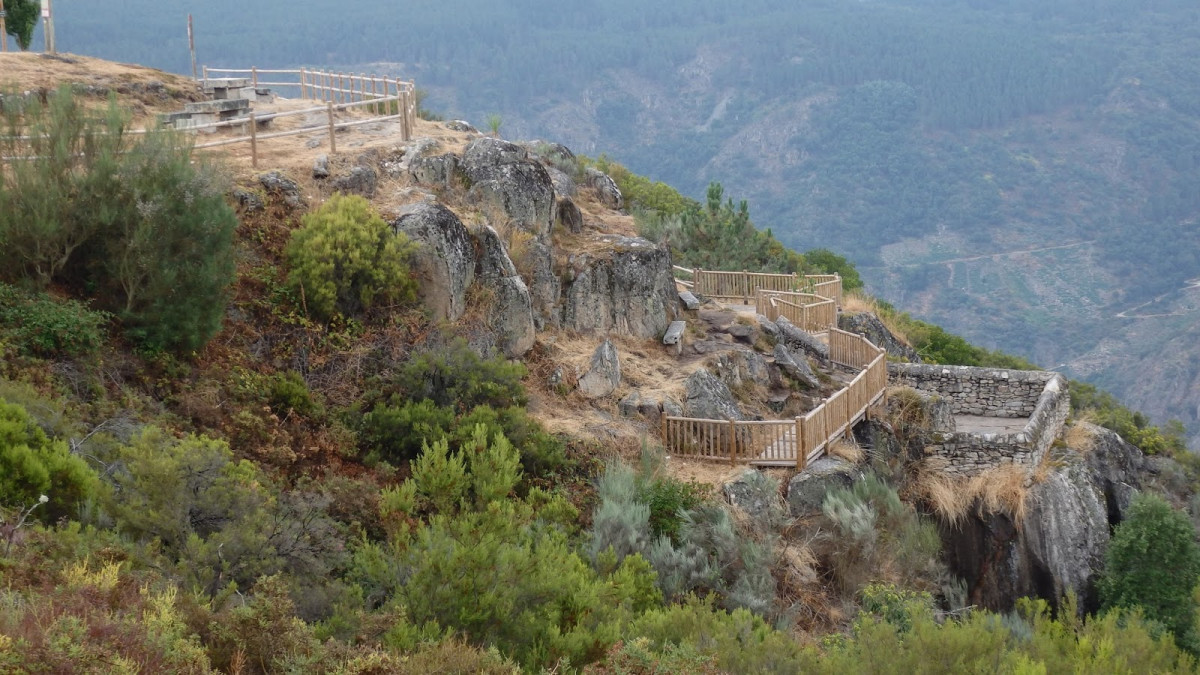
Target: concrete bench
x=674 y=336
x=689 y=301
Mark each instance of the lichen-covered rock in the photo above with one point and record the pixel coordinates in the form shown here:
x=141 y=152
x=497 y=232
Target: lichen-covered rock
x=569 y=216
x=321 y=167
x=1116 y=467
x=795 y=338
x=483 y=155
x=444 y=263
x=545 y=288
x=434 y=170
x=807 y=489
x=741 y=368
x=768 y=327
x=637 y=404
x=461 y=125
x=672 y=408
x=247 y=201
x=604 y=372
x=277 y=184
x=564 y=185
x=360 y=181
x=757 y=495
x=871 y=327
x=795 y=368
x=707 y=397
x=629 y=291
x=1066 y=531
x=522 y=191
x=510 y=313
x=606 y=189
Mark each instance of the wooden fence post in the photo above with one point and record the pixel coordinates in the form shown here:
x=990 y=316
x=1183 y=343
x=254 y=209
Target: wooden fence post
x=746 y=287
x=254 y=76
x=801 y=456
x=732 y=443
x=303 y=94
x=205 y=77
x=253 y=142
x=332 y=138
x=665 y=441
x=405 y=130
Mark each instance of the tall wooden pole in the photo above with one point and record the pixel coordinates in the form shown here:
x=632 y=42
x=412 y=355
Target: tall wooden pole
x=3 y=29
x=191 y=45
x=48 y=14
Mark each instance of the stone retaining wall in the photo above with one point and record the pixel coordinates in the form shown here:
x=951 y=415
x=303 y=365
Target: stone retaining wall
x=989 y=392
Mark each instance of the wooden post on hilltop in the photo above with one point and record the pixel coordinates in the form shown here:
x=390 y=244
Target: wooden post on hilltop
x=732 y=443
x=253 y=141
x=48 y=16
x=801 y=458
x=303 y=94
x=191 y=40
x=332 y=140
x=663 y=425
x=746 y=287
x=254 y=76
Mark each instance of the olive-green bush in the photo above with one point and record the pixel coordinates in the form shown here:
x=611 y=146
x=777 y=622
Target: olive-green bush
x=33 y=465
x=345 y=260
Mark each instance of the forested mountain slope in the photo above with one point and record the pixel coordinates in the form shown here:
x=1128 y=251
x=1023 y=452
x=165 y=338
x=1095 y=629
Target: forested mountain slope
x=1021 y=172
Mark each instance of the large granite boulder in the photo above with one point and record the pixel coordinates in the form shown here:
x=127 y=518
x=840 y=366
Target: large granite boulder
x=629 y=290
x=483 y=155
x=707 y=397
x=522 y=191
x=606 y=189
x=545 y=288
x=871 y=327
x=361 y=180
x=637 y=404
x=797 y=339
x=570 y=218
x=756 y=494
x=564 y=185
x=278 y=185
x=795 y=367
x=510 y=315
x=604 y=372
x=434 y=170
x=1117 y=469
x=807 y=489
x=444 y=263
x=741 y=368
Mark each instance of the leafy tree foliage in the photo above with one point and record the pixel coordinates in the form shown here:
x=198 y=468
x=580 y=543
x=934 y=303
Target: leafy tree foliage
x=22 y=19
x=137 y=223
x=1153 y=562
x=346 y=260
x=33 y=465
x=42 y=325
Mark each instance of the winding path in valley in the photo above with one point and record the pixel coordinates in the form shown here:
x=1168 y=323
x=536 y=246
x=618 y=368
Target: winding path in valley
x=1192 y=284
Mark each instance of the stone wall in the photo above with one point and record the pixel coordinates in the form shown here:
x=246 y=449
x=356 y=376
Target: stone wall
x=988 y=392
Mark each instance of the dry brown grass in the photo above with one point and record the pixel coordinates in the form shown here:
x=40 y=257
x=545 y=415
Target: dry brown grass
x=848 y=450
x=1000 y=489
x=855 y=302
x=1081 y=435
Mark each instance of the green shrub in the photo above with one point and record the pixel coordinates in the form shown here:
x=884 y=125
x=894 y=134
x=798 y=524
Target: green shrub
x=32 y=465
x=288 y=392
x=43 y=326
x=455 y=376
x=345 y=260
x=1153 y=563
x=396 y=434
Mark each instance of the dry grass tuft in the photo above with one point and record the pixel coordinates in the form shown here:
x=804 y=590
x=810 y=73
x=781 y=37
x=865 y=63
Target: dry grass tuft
x=1002 y=489
x=943 y=492
x=1081 y=435
x=855 y=302
x=848 y=450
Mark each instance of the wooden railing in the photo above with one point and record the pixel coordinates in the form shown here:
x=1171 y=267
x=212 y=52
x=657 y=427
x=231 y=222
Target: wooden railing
x=807 y=311
x=788 y=442
x=735 y=286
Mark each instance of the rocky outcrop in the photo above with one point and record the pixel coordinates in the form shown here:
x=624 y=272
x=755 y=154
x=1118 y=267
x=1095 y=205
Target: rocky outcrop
x=361 y=180
x=321 y=167
x=510 y=314
x=461 y=125
x=604 y=372
x=756 y=494
x=637 y=404
x=484 y=154
x=434 y=170
x=629 y=291
x=444 y=263
x=570 y=218
x=564 y=185
x=522 y=191
x=1116 y=467
x=741 y=368
x=871 y=327
x=795 y=368
x=606 y=189
x=545 y=288
x=795 y=338
x=707 y=397
x=807 y=489
x=279 y=185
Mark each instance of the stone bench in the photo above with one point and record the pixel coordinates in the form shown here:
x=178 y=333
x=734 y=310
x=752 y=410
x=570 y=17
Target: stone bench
x=674 y=336
x=689 y=300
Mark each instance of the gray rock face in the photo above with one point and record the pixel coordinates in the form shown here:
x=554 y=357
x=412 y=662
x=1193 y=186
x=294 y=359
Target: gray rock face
x=604 y=373
x=795 y=368
x=707 y=397
x=278 y=185
x=606 y=189
x=741 y=368
x=569 y=216
x=756 y=494
x=247 y=201
x=1066 y=531
x=522 y=191
x=435 y=170
x=869 y=326
x=444 y=263
x=321 y=167
x=461 y=125
x=1116 y=469
x=630 y=291
x=768 y=327
x=637 y=404
x=361 y=181
x=484 y=154
x=511 y=313
x=795 y=338
x=806 y=491
x=545 y=288
x=564 y=185
x=672 y=408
